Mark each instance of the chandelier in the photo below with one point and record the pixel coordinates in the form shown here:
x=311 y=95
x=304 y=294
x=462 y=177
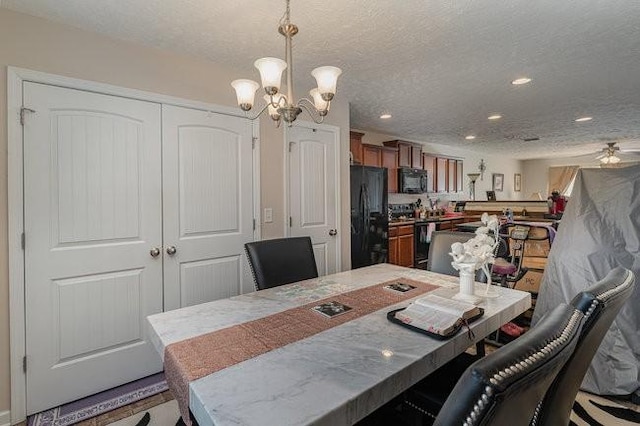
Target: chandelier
x=281 y=106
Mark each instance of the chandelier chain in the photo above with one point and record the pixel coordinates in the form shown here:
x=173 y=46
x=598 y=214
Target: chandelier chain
x=287 y=15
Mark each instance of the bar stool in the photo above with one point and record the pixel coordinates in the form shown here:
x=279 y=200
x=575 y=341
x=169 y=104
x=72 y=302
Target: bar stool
x=507 y=267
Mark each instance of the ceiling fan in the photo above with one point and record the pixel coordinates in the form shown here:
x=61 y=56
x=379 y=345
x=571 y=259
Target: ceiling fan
x=608 y=155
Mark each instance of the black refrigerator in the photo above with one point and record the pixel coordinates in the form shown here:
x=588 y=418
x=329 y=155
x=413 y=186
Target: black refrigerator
x=369 y=216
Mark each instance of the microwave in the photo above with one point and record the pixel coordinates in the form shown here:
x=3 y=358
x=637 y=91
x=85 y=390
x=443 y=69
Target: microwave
x=412 y=181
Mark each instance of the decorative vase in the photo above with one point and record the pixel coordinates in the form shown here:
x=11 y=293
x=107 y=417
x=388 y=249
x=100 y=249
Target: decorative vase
x=467 y=283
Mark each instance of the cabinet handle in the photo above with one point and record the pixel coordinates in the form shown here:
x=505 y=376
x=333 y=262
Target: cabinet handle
x=171 y=250
x=154 y=252
x=333 y=232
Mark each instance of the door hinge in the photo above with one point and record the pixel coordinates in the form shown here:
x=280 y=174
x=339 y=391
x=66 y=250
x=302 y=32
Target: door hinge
x=253 y=142
x=23 y=241
x=290 y=145
x=290 y=221
x=254 y=224
x=24 y=364
x=23 y=111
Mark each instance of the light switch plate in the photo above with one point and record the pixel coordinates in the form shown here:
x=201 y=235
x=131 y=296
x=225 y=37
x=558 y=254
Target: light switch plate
x=268 y=215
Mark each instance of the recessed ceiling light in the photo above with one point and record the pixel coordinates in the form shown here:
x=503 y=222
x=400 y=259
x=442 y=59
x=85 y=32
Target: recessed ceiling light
x=470 y=137
x=519 y=81
x=581 y=119
x=495 y=117
x=385 y=116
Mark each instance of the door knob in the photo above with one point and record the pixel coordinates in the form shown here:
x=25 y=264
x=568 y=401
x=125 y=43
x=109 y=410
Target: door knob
x=333 y=232
x=171 y=250
x=154 y=252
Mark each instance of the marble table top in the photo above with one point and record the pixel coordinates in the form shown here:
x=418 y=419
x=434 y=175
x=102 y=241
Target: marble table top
x=336 y=377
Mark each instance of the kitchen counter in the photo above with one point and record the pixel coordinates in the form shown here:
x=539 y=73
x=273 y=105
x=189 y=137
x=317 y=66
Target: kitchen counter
x=411 y=221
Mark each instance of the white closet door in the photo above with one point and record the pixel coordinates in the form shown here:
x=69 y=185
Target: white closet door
x=312 y=192
x=208 y=205
x=92 y=189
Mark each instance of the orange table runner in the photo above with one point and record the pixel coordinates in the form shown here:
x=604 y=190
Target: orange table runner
x=200 y=356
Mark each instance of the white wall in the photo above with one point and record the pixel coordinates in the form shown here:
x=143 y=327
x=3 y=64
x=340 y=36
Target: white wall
x=495 y=164
x=535 y=173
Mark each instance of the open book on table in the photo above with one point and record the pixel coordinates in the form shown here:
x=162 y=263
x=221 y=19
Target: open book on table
x=436 y=315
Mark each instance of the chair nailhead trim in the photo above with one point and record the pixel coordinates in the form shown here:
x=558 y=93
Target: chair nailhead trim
x=606 y=295
x=530 y=361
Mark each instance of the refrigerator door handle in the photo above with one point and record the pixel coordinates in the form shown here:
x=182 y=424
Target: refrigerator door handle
x=366 y=218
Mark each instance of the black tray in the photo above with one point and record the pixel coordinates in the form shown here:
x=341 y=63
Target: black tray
x=391 y=316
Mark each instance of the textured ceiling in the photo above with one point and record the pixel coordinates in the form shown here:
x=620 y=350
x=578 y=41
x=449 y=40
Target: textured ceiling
x=440 y=67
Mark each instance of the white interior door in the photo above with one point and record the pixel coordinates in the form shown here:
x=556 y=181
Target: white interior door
x=92 y=212
x=313 y=195
x=208 y=205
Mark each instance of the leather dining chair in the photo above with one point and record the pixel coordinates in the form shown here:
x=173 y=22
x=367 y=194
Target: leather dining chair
x=505 y=387
x=281 y=261
x=600 y=304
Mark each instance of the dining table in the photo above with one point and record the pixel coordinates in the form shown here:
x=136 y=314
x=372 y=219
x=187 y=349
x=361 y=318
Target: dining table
x=269 y=358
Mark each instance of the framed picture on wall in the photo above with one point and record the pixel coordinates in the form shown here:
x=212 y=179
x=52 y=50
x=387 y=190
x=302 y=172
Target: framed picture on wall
x=498 y=182
x=517 y=182
x=491 y=195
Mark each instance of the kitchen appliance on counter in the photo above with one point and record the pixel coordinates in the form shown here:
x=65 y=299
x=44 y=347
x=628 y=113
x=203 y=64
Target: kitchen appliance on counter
x=369 y=216
x=412 y=181
x=399 y=211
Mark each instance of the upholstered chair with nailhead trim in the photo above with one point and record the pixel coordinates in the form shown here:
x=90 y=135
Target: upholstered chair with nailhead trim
x=505 y=387
x=600 y=304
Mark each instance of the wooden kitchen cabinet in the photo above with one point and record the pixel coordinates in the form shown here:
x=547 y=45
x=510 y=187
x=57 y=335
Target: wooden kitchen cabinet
x=441 y=175
x=393 y=245
x=390 y=161
x=372 y=155
x=401 y=245
x=452 y=175
x=409 y=153
x=416 y=157
x=429 y=164
x=355 y=144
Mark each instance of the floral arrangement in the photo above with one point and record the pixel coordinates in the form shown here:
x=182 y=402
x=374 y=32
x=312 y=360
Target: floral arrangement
x=479 y=251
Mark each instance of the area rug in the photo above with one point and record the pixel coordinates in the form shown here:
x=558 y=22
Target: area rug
x=100 y=403
x=594 y=410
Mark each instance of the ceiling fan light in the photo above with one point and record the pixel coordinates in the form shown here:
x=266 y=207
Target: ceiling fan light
x=327 y=79
x=270 y=73
x=320 y=104
x=610 y=159
x=245 y=92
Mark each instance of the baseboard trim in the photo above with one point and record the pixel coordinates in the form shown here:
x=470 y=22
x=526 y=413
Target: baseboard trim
x=5 y=418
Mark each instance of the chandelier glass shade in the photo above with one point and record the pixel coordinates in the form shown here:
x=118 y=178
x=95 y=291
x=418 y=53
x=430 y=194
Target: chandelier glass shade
x=282 y=106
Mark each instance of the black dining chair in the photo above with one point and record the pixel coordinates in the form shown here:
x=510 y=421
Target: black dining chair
x=505 y=387
x=600 y=304
x=439 y=259
x=281 y=261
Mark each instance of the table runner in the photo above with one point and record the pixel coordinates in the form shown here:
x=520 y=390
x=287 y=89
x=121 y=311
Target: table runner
x=200 y=356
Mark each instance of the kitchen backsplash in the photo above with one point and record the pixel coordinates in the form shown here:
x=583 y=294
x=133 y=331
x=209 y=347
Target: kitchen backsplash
x=443 y=199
